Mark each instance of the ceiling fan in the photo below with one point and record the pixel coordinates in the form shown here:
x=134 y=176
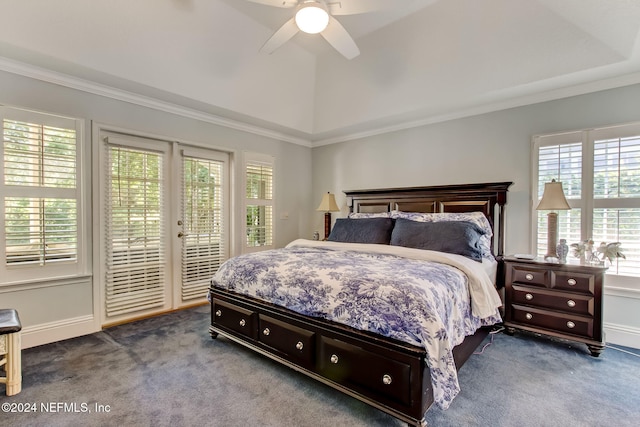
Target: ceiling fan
x=316 y=16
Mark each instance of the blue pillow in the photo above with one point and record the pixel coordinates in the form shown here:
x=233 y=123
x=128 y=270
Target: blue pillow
x=454 y=237
x=363 y=230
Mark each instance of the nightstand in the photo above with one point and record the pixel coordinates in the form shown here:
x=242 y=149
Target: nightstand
x=558 y=300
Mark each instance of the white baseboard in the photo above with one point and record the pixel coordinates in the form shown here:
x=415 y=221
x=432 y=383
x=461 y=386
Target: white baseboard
x=46 y=333
x=622 y=335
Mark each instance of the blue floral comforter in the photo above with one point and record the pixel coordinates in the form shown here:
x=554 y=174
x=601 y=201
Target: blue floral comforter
x=425 y=298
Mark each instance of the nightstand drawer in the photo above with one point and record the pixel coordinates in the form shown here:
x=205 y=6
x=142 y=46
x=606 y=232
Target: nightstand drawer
x=574 y=325
x=530 y=276
x=575 y=282
x=564 y=301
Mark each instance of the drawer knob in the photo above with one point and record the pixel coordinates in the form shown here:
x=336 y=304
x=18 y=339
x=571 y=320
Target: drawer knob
x=242 y=322
x=529 y=316
x=266 y=331
x=299 y=345
x=571 y=303
x=572 y=282
x=528 y=297
x=218 y=313
x=386 y=379
x=528 y=276
x=334 y=359
x=570 y=324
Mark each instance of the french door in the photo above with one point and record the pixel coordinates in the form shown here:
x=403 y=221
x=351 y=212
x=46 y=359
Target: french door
x=163 y=221
x=202 y=220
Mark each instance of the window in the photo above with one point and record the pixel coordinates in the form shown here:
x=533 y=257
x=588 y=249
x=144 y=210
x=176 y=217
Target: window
x=600 y=173
x=562 y=162
x=41 y=195
x=259 y=202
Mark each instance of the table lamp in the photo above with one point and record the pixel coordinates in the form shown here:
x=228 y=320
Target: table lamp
x=328 y=205
x=552 y=200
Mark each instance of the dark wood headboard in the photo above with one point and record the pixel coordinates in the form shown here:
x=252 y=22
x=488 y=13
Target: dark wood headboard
x=488 y=198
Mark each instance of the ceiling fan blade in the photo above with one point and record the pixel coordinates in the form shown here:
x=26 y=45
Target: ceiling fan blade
x=340 y=39
x=277 y=3
x=352 y=7
x=280 y=37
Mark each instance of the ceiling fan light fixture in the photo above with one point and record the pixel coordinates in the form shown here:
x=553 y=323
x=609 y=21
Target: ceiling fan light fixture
x=312 y=17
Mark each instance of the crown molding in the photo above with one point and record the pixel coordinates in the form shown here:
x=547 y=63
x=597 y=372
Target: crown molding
x=489 y=107
x=49 y=76
x=61 y=79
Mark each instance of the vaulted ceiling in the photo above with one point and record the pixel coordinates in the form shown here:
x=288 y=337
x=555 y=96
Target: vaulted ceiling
x=421 y=61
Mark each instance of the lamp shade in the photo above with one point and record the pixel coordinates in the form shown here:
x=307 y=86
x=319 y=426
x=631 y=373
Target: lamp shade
x=328 y=203
x=312 y=17
x=553 y=198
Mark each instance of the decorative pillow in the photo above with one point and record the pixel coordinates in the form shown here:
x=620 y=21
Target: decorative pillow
x=455 y=237
x=477 y=218
x=364 y=230
x=360 y=215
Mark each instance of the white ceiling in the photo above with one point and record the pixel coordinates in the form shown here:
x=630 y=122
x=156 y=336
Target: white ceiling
x=421 y=61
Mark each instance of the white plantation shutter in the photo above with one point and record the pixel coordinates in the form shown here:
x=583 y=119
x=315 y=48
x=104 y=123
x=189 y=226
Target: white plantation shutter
x=600 y=172
x=204 y=221
x=39 y=231
x=616 y=193
x=617 y=168
x=259 y=201
x=135 y=275
x=41 y=195
x=562 y=162
x=620 y=225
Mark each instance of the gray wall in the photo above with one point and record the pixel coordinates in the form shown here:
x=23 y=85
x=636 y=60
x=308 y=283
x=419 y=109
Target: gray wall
x=484 y=148
x=60 y=309
x=488 y=147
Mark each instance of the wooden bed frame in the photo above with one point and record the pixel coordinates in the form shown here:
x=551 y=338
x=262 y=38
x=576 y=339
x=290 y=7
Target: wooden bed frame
x=388 y=374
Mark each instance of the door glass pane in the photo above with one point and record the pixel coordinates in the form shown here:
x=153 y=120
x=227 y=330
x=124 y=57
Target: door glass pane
x=203 y=248
x=135 y=224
